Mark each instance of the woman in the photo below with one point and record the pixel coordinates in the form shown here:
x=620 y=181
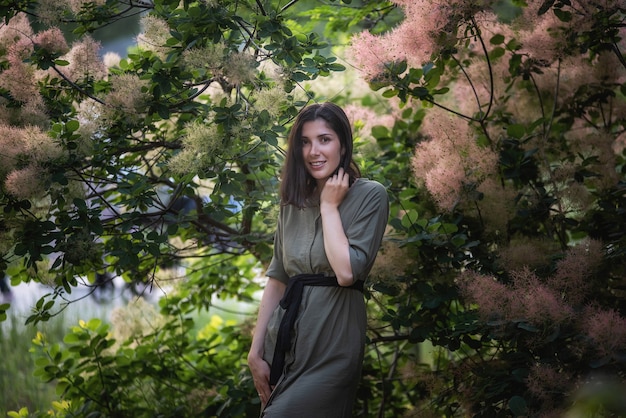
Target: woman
x=309 y=340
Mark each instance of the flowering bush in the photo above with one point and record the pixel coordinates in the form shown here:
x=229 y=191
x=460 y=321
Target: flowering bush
x=520 y=151
x=499 y=132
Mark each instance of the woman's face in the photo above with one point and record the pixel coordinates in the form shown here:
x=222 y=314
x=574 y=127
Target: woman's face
x=321 y=149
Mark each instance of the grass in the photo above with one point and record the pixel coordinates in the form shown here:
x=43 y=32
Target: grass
x=18 y=387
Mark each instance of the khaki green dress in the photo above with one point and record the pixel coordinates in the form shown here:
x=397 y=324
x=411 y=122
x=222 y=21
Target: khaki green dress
x=323 y=368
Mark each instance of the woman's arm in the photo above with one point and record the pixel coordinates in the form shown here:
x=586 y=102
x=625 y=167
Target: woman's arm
x=260 y=369
x=336 y=244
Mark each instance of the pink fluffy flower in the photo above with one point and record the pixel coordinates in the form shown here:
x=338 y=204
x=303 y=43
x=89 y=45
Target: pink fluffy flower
x=451 y=159
x=491 y=296
x=85 y=60
x=26 y=183
x=52 y=40
x=545 y=381
x=429 y=26
x=606 y=330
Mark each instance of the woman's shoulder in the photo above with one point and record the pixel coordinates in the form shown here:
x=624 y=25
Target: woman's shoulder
x=365 y=191
x=365 y=186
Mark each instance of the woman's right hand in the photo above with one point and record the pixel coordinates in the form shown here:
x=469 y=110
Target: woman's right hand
x=260 y=370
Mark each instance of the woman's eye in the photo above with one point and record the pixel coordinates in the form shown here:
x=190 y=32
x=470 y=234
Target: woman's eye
x=325 y=139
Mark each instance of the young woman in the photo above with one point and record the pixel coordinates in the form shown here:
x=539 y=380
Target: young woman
x=309 y=340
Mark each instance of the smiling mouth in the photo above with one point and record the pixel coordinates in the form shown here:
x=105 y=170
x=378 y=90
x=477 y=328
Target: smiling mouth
x=317 y=164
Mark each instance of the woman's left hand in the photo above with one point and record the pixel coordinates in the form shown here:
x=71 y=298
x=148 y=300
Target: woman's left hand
x=335 y=189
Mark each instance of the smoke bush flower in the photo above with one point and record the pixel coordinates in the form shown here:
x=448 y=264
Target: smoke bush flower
x=40 y=148
x=527 y=298
x=202 y=137
x=52 y=40
x=429 y=26
x=544 y=381
x=12 y=148
x=25 y=153
x=364 y=119
x=49 y=12
x=198 y=148
x=607 y=68
x=19 y=77
x=29 y=145
x=155 y=34
x=88 y=114
x=550 y=300
x=84 y=60
x=525 y=252
x=26 y=183
x=535 y=34
x=393 y=262
x=79 y=248
x=19 y=80
x=371 y=53
x=539 y=304
x=451 y=159
x=606 y=330
x=111 y=59
x=596 y=147
x=545 y=37
x=33 y=113
x=535 y=301
x=16 y=29
x=574 y=269
x=127 y=97
x=575 y=196
x=239 y=68
x=600 y=145
x=270 y=100
x=137 y=319
x=184 y=162
x=497 y=207
x=209 y=57
x=491 y=296
x=77 y=5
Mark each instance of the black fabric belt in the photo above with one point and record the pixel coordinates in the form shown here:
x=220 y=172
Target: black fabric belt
x=291 y=302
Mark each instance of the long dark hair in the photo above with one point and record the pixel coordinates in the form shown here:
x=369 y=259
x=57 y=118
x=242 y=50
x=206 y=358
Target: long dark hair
x=297 y=184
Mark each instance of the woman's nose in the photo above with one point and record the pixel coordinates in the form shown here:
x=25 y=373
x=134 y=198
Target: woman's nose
x=314 y=148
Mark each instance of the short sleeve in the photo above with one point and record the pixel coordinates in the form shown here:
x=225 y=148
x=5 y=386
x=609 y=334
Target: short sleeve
x=276 y=269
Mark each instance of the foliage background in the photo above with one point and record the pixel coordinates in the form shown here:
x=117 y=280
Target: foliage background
x=497 y=128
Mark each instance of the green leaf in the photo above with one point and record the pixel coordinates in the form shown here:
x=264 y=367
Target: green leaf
x=496 y=53
x=71 y=338
x=497 y=39
x=72 y=125
x=3 y=311
x=380 y=131
x=390 y=93
x=547 y=4
x=564 y=16
x=515 y=130
x=518 y=406
x=528 y=327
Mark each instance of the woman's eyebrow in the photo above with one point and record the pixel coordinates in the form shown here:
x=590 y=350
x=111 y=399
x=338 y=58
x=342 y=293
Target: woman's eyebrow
x=319 y=136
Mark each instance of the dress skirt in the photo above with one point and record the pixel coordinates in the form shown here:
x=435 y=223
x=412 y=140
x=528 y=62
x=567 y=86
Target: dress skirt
x=323 y=366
